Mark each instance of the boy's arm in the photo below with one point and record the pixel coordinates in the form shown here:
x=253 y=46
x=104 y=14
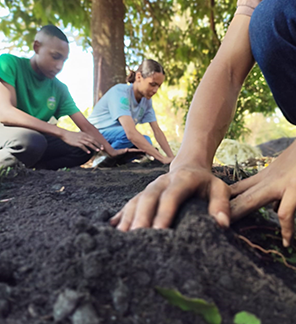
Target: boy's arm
x=86 y=127
x=12 y=116
x=210 y=114
x=139 y=140
x=161 y=139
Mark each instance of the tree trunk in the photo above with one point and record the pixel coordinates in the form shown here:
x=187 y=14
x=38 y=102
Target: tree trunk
x=216 y=40
x=108 y=45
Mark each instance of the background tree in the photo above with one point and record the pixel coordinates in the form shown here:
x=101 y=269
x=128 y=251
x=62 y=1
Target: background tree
x=183 y=35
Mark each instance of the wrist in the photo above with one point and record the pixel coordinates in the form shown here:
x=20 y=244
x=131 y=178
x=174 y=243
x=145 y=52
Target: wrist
x=191 y=162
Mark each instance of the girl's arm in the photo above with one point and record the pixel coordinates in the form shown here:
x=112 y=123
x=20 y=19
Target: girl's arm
x=161 y=139
x=139 y=140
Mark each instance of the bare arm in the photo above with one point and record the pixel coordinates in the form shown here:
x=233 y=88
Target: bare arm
x=209 y=116
x=161 y=139
x=86 y=127
x=12 y=116
x=215 y=99
x=139 y=140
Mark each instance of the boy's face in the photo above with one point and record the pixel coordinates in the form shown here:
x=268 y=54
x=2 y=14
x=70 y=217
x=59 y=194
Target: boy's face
x=51 y=54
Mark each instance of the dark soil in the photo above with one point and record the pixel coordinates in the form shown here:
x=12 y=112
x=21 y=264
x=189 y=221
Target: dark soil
x=60 y=261
x=275 y=147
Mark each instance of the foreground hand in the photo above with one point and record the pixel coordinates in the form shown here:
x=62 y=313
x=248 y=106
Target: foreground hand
x=81 y=140
x=157 y=205
x=276 y=183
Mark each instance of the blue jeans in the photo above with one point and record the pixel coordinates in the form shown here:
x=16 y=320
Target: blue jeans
x=117 y=138
x=273 y=41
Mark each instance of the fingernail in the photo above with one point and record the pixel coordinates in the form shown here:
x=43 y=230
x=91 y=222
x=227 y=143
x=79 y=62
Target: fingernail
x=223 y=219
x=285 y=242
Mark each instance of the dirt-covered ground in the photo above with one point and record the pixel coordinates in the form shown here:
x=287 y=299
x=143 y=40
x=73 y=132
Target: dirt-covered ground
x=60 y=261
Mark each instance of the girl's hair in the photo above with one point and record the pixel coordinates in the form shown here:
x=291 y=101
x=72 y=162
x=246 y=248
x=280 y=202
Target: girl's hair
x=147 y=68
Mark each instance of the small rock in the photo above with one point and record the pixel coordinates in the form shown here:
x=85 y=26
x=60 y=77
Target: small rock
x=33 y=310
x=226 y=282
x=4 y=308
x=120 y=298
x=6 y=271
x=57 y=187
x=85 y=314
x=5 y=291
x=66 y=304
x=142 y=278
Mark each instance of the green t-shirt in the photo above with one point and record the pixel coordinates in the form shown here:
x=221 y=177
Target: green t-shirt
x=36 y=95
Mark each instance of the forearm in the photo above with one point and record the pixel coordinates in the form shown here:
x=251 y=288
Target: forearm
x=12 y=116
x=141 y=143
x=91 y=130
x=215 y=99
x=162 y=141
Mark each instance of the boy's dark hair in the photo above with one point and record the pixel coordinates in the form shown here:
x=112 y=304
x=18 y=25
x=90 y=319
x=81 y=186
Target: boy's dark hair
x=52 y=30
x=147 y=68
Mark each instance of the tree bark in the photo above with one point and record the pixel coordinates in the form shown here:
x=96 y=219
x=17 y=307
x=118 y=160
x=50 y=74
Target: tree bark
x=107 y=27
x=216 y=40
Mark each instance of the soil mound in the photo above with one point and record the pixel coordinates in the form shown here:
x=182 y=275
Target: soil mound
x=61 y=262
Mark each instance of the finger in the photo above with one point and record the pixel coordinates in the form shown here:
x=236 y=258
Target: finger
x=286 y=215
x=148 y=203
x=219 y=206
x=251 y=200
x=243 y=185
x=114 y=221
x=128 y=213
x=84 y=148
x=91 y=144
x=169 y=202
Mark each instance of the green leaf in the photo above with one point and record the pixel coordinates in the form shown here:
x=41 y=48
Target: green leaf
x=208 y=311
x=246 y=318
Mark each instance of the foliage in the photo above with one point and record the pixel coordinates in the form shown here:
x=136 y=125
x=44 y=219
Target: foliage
x=266 y=129
x=26 y=16
x=208 y=311
x=246 y=318
x=4 y=171
x=183 y=35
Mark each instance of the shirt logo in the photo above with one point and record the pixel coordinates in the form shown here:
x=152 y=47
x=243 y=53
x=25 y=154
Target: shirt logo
x=51 y=103
x=124 y=103
x=141 y=113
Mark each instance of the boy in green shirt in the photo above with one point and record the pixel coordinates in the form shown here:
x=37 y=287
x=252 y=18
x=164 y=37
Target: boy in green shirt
x=30 y=95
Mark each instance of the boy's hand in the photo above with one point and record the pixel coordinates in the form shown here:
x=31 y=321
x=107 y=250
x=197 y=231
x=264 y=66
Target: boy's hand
x=82 y=140
x=157 y=205
x=276 y=183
